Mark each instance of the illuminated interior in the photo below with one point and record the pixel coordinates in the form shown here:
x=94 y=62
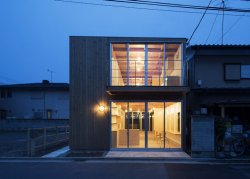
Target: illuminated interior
x=130 y=125
x=147 y=65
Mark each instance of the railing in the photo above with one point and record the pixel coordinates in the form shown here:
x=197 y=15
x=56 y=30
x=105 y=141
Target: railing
x=39 y=139
x=13 y=148
x=155 y=73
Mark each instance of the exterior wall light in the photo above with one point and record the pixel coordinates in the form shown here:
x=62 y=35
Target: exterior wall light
x=101 y=108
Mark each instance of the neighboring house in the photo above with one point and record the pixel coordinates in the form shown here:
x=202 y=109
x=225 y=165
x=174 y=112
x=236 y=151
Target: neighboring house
x=219 y=80
x=127 y=92
x=35 y=100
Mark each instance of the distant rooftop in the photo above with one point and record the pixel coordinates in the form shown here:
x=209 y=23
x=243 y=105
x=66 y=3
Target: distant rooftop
x=44 y=85
x=219 y=46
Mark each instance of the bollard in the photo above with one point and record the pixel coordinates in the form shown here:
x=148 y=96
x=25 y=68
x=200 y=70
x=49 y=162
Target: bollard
x=28 y=142
x=44 y=138
x=32 y=147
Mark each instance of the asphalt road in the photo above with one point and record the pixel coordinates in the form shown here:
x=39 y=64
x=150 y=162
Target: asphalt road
x=111 y=169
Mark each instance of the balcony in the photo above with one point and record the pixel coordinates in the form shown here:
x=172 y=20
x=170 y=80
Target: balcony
x=147 y=65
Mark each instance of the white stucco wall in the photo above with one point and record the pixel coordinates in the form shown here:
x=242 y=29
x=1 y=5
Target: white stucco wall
x=24 y=103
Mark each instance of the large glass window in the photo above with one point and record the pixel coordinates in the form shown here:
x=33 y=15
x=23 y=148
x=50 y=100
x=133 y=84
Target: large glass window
x=146 y=124
x=151 y=64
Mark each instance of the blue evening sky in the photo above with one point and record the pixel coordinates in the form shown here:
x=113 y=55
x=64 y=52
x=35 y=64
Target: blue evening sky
x=35 y=33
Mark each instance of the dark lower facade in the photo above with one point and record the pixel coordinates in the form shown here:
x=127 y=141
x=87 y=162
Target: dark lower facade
x=127 y=93
x=226 y=103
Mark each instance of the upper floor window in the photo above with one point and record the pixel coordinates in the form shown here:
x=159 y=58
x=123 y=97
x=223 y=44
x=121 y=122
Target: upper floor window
x=5 y=93
x=245 y=71
x=9 y=93
x=150 y=64
x=236 y=71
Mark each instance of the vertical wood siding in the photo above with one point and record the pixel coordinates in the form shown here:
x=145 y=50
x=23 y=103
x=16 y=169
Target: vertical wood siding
x=89 y=63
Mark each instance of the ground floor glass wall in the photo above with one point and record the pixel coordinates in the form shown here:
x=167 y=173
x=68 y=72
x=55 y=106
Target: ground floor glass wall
x=146 y=124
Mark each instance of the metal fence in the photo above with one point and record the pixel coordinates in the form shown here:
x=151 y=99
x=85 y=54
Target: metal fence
x=41 y=139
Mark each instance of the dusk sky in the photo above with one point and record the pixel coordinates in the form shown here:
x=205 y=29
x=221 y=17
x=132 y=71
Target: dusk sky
x=35 y=33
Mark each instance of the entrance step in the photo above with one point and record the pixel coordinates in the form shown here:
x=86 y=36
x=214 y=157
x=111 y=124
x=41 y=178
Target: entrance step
x=167 y=154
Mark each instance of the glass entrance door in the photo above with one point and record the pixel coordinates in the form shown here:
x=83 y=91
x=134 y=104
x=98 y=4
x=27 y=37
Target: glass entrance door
x=156 y=132
x=146 y=124
x=136 y=127
x=128 y=124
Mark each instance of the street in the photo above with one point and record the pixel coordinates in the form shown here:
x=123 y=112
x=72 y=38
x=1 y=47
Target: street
x=119 y=169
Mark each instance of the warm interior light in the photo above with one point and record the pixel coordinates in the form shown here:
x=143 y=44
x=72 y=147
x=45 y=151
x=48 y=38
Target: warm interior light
x=130 y=109
x=138 y=69
x=101 y=108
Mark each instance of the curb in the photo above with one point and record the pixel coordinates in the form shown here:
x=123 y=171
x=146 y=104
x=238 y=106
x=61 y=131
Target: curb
x=127 y=159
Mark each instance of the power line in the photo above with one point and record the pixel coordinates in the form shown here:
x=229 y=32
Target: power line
x=173 y=5
x=212 y=27
x=222 y=24
x=141 y=8
x=230 y=28
x=199 y=22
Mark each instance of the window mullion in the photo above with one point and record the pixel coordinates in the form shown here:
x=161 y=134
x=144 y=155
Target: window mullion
x=146 y=65
x=127 y=47
x=164 y=58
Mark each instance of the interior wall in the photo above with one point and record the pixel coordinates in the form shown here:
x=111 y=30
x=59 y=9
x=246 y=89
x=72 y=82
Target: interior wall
x=158 y=119
x=172 y=117
x=117 y=79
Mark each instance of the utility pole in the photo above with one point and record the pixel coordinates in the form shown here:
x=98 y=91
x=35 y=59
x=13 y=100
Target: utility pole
x=222 y=33
x=51 y=74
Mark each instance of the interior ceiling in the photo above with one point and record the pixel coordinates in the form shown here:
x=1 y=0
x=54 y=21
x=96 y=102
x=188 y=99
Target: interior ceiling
x=135 y=106
x=137 y=56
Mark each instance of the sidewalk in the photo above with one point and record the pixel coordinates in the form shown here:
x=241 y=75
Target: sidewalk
x=128 y=156
x=141 y=156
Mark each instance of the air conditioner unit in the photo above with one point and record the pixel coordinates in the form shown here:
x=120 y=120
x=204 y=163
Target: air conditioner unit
x=199 y=82
x=203 y=111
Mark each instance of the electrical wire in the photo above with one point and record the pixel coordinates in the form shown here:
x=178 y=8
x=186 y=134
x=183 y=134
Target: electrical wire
x=199 y=23
x=212 y=27
x=230 y=28
x=142 y=8
x=154 y=3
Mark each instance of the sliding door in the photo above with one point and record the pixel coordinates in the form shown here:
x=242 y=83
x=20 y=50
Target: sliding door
x=128 y=124
x=146 y=124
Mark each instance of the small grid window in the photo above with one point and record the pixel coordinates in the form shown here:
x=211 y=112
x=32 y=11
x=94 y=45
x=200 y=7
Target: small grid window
x=232 y=72
x=245 y=71
x=3 y=94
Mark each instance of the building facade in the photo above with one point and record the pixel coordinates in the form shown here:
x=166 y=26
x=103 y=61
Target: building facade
x=127 y=93
x=35 y=100
x=219 y=80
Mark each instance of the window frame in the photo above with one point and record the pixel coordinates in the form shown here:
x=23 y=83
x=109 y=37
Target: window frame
x=225 y=64
x=244 y=78
x=146 y=43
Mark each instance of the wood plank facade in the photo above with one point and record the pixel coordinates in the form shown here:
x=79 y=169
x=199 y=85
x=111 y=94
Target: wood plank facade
x=90 y=87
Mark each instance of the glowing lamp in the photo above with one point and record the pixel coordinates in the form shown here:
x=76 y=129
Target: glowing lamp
x=101 y=108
